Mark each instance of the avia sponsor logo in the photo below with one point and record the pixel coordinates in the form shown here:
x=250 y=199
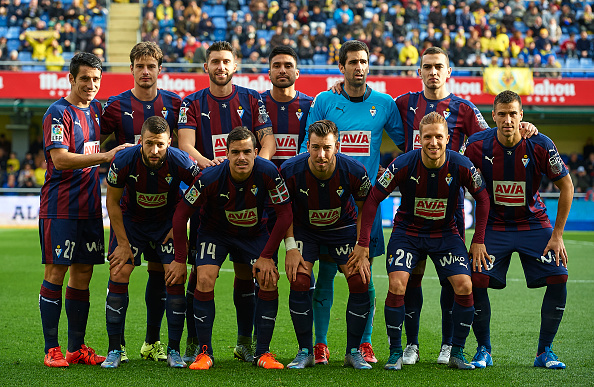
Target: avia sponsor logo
x=429 y=208
x=151 y=200
x=92 y=147
x=375 y=85
x=178 y=85
x=286 y=146
x=324 y=217
x=417 y=139
x=244 y=218
x=355 y=142
x=219 y=145
x=509 y=193
x=465 y=88
x=259 y=84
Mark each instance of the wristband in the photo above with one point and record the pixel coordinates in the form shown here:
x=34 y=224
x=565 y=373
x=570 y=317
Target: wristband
x=290 y=243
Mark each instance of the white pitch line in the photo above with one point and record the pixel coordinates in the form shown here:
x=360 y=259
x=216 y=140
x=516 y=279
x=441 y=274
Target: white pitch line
x=574 y=242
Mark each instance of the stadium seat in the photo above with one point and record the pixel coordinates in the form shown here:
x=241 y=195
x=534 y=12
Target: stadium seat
x=320 y=59
x=99 y=21
x=218 y=11
x=207 y=9
x=572 y=63
x=3 y=22
x=67 y=55
x=3 y=31
x=220 y=34
x=25 y=56
x=219 y=22
x=586 y=63
x=12 y=44
x=13 y=32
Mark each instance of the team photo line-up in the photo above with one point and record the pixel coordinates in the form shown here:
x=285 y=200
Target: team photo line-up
x=262 y=168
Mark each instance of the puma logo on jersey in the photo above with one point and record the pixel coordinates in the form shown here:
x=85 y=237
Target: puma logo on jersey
x=416 y=179
x=341 y=109
x=490 y=159
x=134 y=177
x=206 y=115
x=129 y=114
x=77 y=122
x=225 y=195
x=306 y=192
x=413 y=109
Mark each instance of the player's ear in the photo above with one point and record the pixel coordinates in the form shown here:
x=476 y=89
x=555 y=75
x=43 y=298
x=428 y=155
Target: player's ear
x=205 y=68
x=71 y=79
x=255 y=152
x=132 y=69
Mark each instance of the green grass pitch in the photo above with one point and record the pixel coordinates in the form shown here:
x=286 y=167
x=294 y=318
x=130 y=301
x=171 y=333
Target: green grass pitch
x=515 y=322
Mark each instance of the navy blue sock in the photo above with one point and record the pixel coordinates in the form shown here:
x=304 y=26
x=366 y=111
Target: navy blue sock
x=357 y=314
x=312 y=286
x=154 y=297
x=462 y=316
x=50 y=307
x=413 y=303
x=77 y=309
x=191 y=328
x=176 y=314
x=323 y=297
x=481 y=326
x=204 y=315
x=116 y=304
x=122 y=337
x=266 y=309
x=243 y=298
x=394 y=316
x=551 y=313
x=447 y=303
x=302 y=317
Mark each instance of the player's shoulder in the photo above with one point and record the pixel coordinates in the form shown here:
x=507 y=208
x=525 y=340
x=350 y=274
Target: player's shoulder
x=127 y=155
x=377 y=96
x=265 y=94
x=291 y=166
x=240 y=90
x=458 y=158
x=482 y=136
x=57 y=108
x=304 y=97
x=408 y=158
x=264 y=165
x=349 y=162
x=541 y=139
x=119 y=97
x=169 y=94
x=199 y=94
x=214 y=173
x=407 y=95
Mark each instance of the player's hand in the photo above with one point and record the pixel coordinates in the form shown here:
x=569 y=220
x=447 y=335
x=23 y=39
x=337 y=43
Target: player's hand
x=203 y=162
x=176 y=273
x=218 y=160
x=359 y=263
x=478 y=254
x=293 y=260
x=109 y=155
x=380 y=172
x=169 y=236
x=119 y=257
x=337 y=87
x=528 y=130
x=557 y=246
x=268 y=272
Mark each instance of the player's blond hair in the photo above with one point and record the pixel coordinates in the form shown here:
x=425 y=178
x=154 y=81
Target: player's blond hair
x=433 y=118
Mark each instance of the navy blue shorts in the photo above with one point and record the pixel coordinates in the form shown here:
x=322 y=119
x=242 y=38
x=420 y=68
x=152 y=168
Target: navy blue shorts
x=146 y=239
x=68 y=241
x=529 y=245
x=213 y=249
x=338 y=243
x=449 y=254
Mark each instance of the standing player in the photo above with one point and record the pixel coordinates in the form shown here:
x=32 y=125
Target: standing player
x=143 y=191
x=70 y=220
x=231 y=199
x=361 y=115
x=325 y=187
x=124 y=115
x=429 y=180
x=206 y=118
x=513 y=168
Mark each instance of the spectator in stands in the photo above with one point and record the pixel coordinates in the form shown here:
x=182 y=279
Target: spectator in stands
x=320 y=41
x=411 y=15
x=40 y=173
x=149 y=6
x=465 y=19
x=26 y=177
x=568 y=48
x=507 y=19
x=249 y=46
x=305 y=52
x=13 y=166
x=191 y=45
x=399 y=32
x=408 y=53
x=192 y=9
x=56 y=11
x=54 y=59
x=238 y=33
x=205 y=28
x=290 y=25
x=248 y=61
x=166 y=25
x=17 y=9
x=551 y=63
x=39 y=42
x=305 y=33
x=14 y=57
x=343 y=27
x=200 y=57
x=458 y=54
x=179 y=46
x=263 y=49
x=357 y=25
x=581 y=180
x=374 y=25
x=233 y=5
x=390 y=52
x=149 y=23
x=317 y=19
x=500 y=44
x=237 y=48
x=386 y=19
x=33 y=11
x=574 y=162
x=567 y=20
x=168 y=49
x=333 y=51
x=164 y=8
x=590 y=168
x=100 y=53
x=547 y=52
x=274 y=15
x=584 y=45
x=431 y=37
x=586 y=20
x=97 y=42
x=536 y=65
x=476 y=57
x=75 y=11
x=277 y=37
x=435 y=16
x=344 y=9
x=531 y=15
x=555 y=32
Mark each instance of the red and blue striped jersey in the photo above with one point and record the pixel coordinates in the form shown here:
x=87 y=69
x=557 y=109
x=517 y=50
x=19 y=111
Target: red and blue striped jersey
x=429 y=196
x=71 y=193
x=325 y=204
x=124 y=114
x=513 y=176
x=288 y=124
x=462 y=116
x=213 y=118
x=236 y=209
x=150 y=195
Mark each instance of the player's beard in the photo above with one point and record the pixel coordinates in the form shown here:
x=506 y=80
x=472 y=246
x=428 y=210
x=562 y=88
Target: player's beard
x=146 y=85
x=276 y=83
x=150 y=164
x=213 y=79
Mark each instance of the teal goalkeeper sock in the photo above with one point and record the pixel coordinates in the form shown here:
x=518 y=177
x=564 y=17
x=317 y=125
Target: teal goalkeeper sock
x=322 y=299
x=369 y=327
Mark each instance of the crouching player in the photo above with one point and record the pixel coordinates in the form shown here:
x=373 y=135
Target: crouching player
x=429 y=180
x=142 y=193
x=325 y=186
x=231 y=197
x=513 y=167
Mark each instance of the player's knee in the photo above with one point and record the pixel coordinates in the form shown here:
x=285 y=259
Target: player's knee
x=80 y=276
x=415 y=280
x=556 y=279
x=462 y=284
x=356 y=284
x=301 y=283
x=205 y=282
x=55 y=274
x=480 y=280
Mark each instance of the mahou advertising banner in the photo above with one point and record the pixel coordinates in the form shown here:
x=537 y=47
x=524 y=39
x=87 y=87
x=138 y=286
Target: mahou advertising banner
x=53 y=85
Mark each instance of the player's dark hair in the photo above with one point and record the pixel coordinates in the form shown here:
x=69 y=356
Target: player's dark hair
x=146 y=49
x=84 y=59
x=155 y=125
x=240 y=133
x=433 y=51
x=432 y=118
x=221 y=45
x=505 y=97
x=322 y=128
x=282 y=50
x=351 y=45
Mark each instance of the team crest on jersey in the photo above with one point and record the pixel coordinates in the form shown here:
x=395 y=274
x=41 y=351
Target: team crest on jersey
x=525 y=160
x=192 y=195
x=324 y=217
x=168 y=178
x=240 y=111
x=57 y=132
x=555 y=162
x=254 y=190
x=279 y=194
x=340 y=191
x=58 y=251
x=386 y=178
x=97 y=119
x=164 y=112
x=299 y=114
x=373 y=111
x=183 y=115
x=448 y=179
x=243 y=218
x=446 y=113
